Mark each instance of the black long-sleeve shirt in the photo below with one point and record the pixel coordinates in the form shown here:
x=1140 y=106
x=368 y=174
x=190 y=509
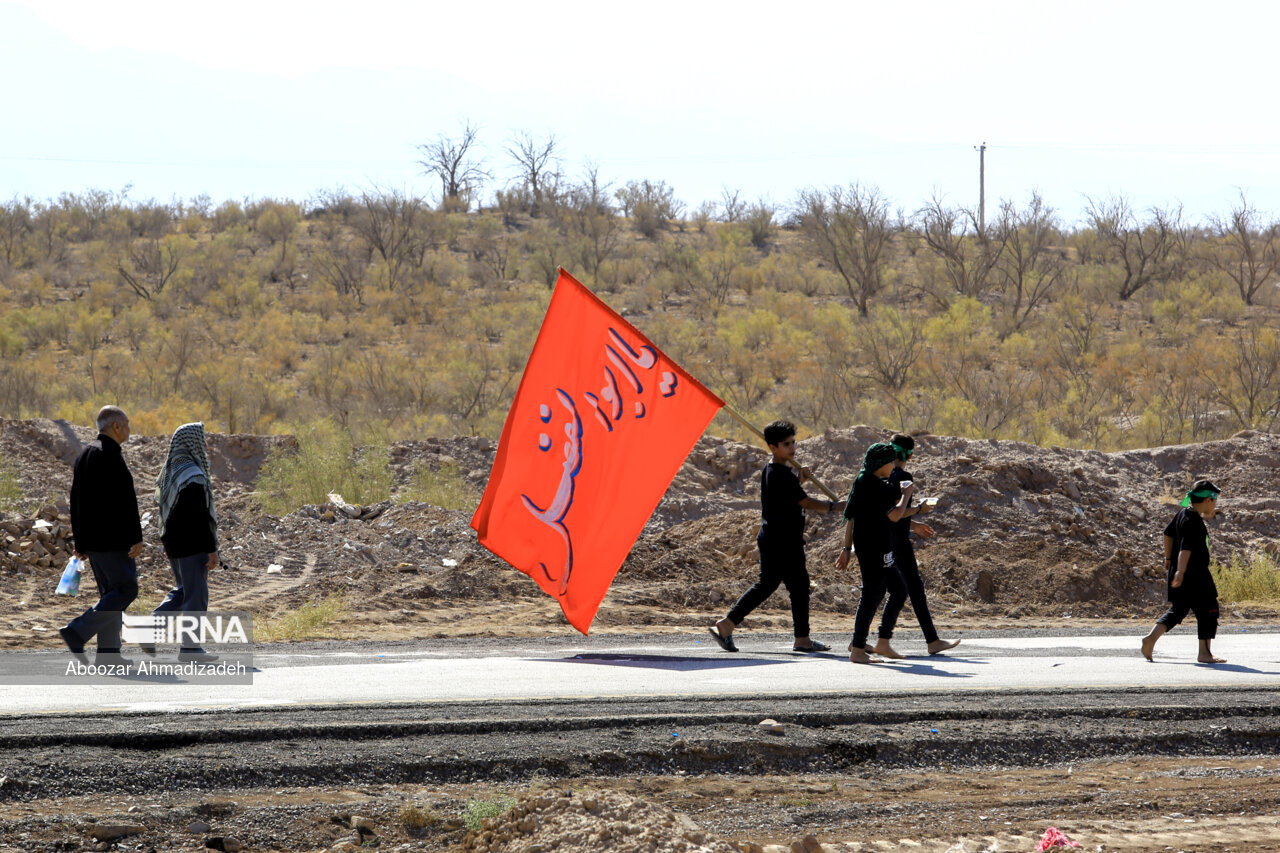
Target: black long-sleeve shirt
x=188 y=531
x=104 y=506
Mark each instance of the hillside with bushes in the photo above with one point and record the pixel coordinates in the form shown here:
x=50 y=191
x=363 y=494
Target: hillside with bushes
x=395 y=317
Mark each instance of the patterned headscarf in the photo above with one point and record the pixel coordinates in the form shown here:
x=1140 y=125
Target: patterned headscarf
x=878 y=455
x=187 y=463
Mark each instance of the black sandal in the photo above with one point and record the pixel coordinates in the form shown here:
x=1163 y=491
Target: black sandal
x=724 y=642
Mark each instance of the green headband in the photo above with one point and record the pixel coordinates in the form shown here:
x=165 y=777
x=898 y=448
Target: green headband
x=1199 y=496
x=879 y=454
x=902 y=452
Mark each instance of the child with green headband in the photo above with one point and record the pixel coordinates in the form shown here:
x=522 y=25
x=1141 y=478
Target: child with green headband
x=1191 y=587
x=874 y=506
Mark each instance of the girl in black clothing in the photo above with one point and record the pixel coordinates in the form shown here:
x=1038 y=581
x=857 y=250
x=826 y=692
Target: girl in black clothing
x=873 y=507
x=1186 y=559
x=904 y=558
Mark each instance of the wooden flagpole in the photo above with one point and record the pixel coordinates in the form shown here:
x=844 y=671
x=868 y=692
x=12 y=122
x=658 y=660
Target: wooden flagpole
x=746 y=423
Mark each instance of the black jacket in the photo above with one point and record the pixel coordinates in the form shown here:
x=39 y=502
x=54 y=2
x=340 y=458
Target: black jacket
x=104 y=507
x=189 y=529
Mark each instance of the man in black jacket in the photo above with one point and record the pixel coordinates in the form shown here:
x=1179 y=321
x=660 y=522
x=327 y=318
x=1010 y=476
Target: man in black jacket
x=107 y=532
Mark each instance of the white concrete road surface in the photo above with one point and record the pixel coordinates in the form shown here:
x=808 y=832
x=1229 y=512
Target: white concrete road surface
x=490 y=670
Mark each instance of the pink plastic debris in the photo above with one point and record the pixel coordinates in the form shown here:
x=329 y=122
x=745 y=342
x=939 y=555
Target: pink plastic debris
x=1054 y=837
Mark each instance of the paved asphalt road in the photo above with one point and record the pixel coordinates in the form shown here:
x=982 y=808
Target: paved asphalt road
x=343 y=674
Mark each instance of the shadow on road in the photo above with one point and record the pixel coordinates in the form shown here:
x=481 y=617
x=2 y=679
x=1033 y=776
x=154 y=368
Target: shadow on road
x=1229 y=667
x=928 y=668
x=679 y=663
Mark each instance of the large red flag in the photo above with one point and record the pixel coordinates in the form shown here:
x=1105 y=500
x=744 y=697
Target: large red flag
x=601 y=422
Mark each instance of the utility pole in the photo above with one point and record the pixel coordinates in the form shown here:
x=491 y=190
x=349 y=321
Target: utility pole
x=982 y=188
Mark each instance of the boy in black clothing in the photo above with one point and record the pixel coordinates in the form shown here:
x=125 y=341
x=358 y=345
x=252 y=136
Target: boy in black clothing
x=1186 y=559
x=781 y=542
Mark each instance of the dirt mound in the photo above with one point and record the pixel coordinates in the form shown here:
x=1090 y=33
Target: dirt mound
x=1023 y=531
x=584 y=822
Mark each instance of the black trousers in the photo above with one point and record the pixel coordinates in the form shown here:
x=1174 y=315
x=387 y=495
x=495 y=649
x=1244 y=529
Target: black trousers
x=905 y=559
x=117 y=577
x=1203 y=602
x=879 y=575
x=781 y=564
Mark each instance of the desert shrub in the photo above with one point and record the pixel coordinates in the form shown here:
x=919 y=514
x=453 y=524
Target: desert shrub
x=760 y=223
x=1253 y=577
x=417 y=820
x=478 y=811
x=12 y=497
x=445 y=487
x=309 y=621
x=324 y=461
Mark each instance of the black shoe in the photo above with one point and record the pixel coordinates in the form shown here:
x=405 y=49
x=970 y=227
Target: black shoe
x=74 y=645
x=196 y=656
x=147 y=648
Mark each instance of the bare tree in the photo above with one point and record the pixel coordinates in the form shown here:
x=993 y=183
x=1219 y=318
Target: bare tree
x=968 y=253
x=850 y=229
x=151 y=263
x=1247 y=381
x=1029 y=268
x=539 y=167
x=386 y=221
x=1145 y=251
x=1250 y=251
x=15 y=225
x=733 y=205
x=455 y=163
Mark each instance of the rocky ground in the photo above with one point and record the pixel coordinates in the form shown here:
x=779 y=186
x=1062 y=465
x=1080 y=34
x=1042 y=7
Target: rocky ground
x=1137 y=772
x=1027 y=536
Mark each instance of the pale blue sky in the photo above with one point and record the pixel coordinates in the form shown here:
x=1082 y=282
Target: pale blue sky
x=1165 y=102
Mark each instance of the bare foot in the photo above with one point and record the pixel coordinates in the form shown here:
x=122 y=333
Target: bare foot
x=937 y=647
x=1210 y=659
x=1148 y=647
x=861 y=656
x=882 y=647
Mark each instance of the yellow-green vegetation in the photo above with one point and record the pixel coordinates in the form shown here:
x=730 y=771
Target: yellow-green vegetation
x=416 y=819
x=478 y=811
x=325 y=460
x=444 y=487
x=310 y=621
x=12 y=498
x=383 y=314
x=145 y=602
x=1252 y=578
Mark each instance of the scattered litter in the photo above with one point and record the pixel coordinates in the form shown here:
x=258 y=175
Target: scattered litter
x=449 y=562
x=41 y=524
x=1054 y=837
x=675 y=734
x=146 y=519
x=275 y=569
x=38 y=628
x=933 y=731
